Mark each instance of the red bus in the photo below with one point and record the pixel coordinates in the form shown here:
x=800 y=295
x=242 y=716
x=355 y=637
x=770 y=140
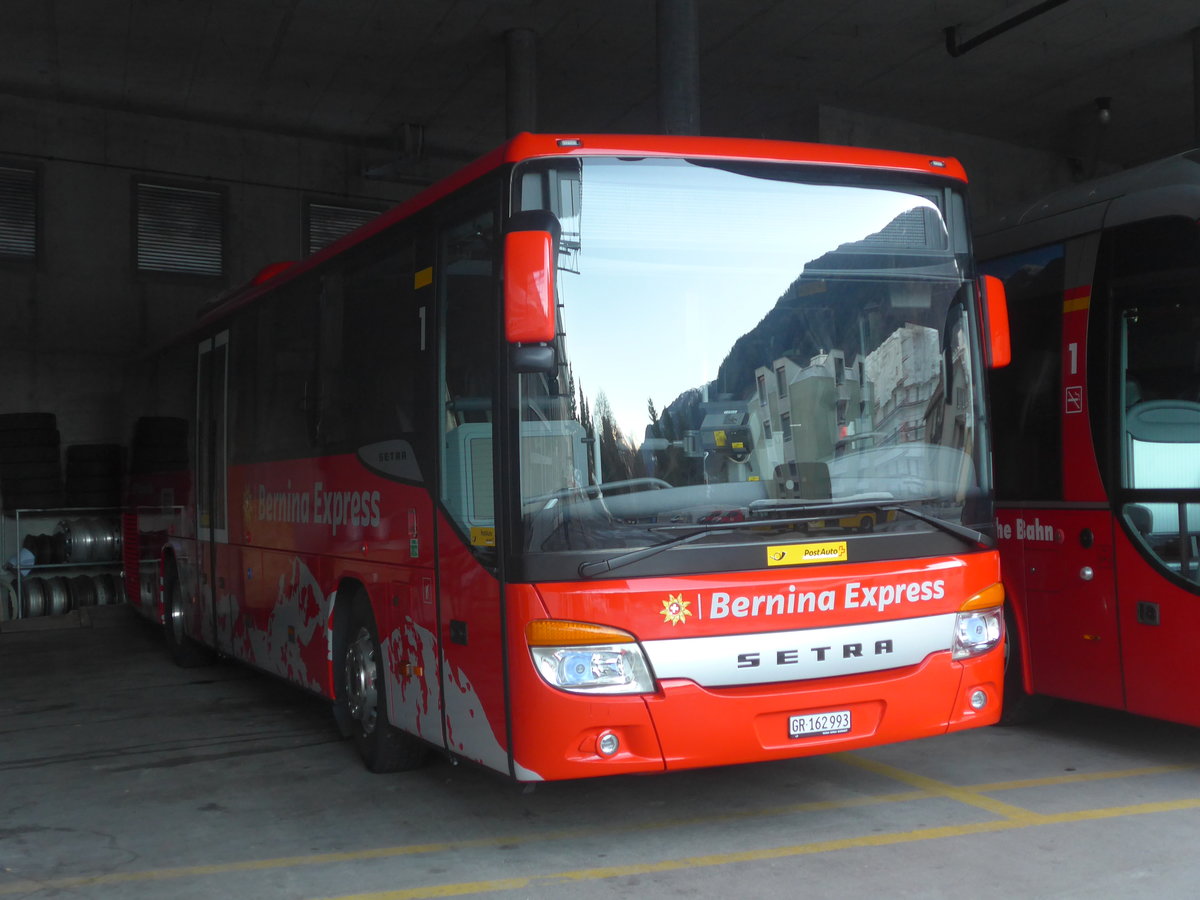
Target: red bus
x=1097 y=447
x=607 y=455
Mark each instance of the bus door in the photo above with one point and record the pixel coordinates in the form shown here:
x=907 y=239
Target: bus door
x=1055 y=526
x=1158 y=451
x=1081 y=602
x=470 y=621
x=1070 y=602
x=211 y=489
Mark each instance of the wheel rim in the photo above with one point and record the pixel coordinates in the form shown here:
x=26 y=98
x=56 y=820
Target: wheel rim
x=361 y=691
x=175 y=614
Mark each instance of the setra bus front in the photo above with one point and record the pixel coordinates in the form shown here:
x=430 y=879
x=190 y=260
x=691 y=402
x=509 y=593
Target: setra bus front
x=750 y=510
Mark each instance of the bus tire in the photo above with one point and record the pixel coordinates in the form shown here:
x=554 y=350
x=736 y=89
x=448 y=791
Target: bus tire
x=186 y=651
x=362 y=699
x=1020 y=707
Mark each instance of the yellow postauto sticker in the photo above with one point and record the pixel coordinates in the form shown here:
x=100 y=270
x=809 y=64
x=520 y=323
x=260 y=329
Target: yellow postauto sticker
x=800 y=554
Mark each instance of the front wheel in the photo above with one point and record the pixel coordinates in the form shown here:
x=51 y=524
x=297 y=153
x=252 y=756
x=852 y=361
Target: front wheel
x=184 y=649
x=1020 y=707
x=362 y=702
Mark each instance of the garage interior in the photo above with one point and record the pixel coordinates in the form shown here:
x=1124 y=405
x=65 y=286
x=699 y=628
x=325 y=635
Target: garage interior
x=280 y=116
x=284 y=123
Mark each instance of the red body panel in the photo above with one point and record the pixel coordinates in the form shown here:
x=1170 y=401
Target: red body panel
x=1070 y=624
x=471 y=642
x=1160 y=660
x=1081 y=473
x=685 y=725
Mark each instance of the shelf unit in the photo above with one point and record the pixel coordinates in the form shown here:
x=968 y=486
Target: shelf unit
x=77 y=560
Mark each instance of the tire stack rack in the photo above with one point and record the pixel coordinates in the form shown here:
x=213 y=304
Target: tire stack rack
x=68 y=533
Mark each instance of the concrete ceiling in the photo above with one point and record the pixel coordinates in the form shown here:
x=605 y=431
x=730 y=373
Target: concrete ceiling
x=363 y=70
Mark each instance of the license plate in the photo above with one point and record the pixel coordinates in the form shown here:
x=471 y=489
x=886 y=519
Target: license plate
x=815 y=724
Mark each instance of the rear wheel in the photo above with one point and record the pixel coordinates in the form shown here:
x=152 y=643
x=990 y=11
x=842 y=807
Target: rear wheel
x=184 y=649
x=362 y=700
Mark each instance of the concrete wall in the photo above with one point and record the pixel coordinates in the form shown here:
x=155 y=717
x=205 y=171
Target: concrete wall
x=68 y=324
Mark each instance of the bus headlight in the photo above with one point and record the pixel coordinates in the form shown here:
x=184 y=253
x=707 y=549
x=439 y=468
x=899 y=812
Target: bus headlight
x=586 y=658
x=979 y=625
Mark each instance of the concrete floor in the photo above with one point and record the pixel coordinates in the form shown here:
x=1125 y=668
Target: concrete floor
x=122 y=776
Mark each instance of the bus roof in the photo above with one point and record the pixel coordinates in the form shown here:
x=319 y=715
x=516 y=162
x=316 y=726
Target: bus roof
x=1155 y=188
x=532 y=146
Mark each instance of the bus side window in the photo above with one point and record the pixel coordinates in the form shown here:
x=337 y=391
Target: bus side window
x=467 y=391
x=285 y=372
x=1152 y=283
x=372 y=367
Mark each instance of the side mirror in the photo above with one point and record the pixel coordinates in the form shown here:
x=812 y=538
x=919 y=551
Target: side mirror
x=530 y=254
x=994 y=304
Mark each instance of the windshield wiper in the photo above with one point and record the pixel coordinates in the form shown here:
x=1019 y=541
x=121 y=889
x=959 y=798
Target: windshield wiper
x=817 y=509
x=835 y=507
x=694 y=533
x=600 y=566
x=970 y=535
x=812 y=511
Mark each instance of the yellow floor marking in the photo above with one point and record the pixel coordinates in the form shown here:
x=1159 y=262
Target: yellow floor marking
x=317 y=859
x=937 y=788
x=695 y=862
x=1011 y=816
x=1075 y=778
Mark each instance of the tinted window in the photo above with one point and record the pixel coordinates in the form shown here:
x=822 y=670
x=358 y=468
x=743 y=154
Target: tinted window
x=274 y=375
x=1027 y=439
x=372 y=353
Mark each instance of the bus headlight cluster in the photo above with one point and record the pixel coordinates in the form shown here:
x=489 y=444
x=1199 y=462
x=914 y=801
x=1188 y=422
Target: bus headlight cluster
x=979 y=625
x=571 y=656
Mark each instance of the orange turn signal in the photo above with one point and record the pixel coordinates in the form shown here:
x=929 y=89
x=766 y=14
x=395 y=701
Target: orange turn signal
x=557 y=633
x=988 y=597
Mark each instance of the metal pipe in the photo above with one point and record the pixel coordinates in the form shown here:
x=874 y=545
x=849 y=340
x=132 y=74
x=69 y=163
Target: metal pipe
x=955 y=49
x=678 y=67
x=520 y=45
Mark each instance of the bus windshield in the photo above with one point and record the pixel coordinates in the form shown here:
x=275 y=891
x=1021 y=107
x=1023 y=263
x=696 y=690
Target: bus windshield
x=749 y=348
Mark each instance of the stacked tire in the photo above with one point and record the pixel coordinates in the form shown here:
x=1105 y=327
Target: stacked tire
x=30 y=465
x=47 y=549
x=93 y=475
x=89 y=540
x=56 y=595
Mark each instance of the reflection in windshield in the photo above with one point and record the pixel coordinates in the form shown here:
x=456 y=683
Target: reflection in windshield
x=734 y=339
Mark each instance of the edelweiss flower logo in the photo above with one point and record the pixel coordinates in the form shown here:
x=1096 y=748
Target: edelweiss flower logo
x=675 y=609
